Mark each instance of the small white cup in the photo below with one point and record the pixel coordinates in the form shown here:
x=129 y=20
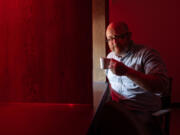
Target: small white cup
x=104 y=63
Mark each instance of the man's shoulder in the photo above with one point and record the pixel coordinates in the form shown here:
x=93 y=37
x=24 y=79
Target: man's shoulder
x=142 y=49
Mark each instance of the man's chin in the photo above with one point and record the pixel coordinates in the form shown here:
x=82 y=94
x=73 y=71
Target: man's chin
x=117 y=52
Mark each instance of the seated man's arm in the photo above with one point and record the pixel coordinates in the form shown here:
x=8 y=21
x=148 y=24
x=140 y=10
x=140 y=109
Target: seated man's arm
x=151 y=82
x=154 y=78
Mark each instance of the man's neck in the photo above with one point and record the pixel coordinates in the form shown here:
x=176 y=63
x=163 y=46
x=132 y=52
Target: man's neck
x=125 y=50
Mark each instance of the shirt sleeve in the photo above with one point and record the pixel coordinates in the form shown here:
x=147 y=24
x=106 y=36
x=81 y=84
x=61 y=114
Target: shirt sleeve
x=153 y=64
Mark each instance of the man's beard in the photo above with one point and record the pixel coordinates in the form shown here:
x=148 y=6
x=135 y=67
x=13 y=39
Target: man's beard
x=118 y=49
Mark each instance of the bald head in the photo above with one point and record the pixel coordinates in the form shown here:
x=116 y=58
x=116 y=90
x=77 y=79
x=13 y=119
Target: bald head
x=118 y=27
x=118 y=37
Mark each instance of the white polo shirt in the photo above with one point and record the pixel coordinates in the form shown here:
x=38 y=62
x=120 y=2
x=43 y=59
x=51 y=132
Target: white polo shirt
x=145 y=60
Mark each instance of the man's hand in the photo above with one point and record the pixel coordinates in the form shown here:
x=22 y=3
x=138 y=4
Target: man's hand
x=118 y=68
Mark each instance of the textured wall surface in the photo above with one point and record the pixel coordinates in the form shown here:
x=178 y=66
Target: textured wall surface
x=46 y=51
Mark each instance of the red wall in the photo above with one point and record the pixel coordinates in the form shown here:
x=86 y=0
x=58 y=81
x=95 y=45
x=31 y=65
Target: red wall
x=154 y=23
x=45 y=51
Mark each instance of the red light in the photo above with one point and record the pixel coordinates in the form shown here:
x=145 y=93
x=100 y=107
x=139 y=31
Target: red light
x=71 y=105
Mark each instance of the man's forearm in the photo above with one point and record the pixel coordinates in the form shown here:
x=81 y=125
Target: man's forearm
x=152 y=83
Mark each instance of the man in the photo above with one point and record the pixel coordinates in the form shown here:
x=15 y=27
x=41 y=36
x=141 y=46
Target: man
x=136 y=73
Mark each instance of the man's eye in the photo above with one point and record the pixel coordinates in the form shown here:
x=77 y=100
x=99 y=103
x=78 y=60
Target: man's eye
x=120 y=36
x=107 y=40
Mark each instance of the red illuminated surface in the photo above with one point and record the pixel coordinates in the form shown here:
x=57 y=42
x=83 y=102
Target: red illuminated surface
x=46 y=51
x=44 y=119
x=41 y=58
